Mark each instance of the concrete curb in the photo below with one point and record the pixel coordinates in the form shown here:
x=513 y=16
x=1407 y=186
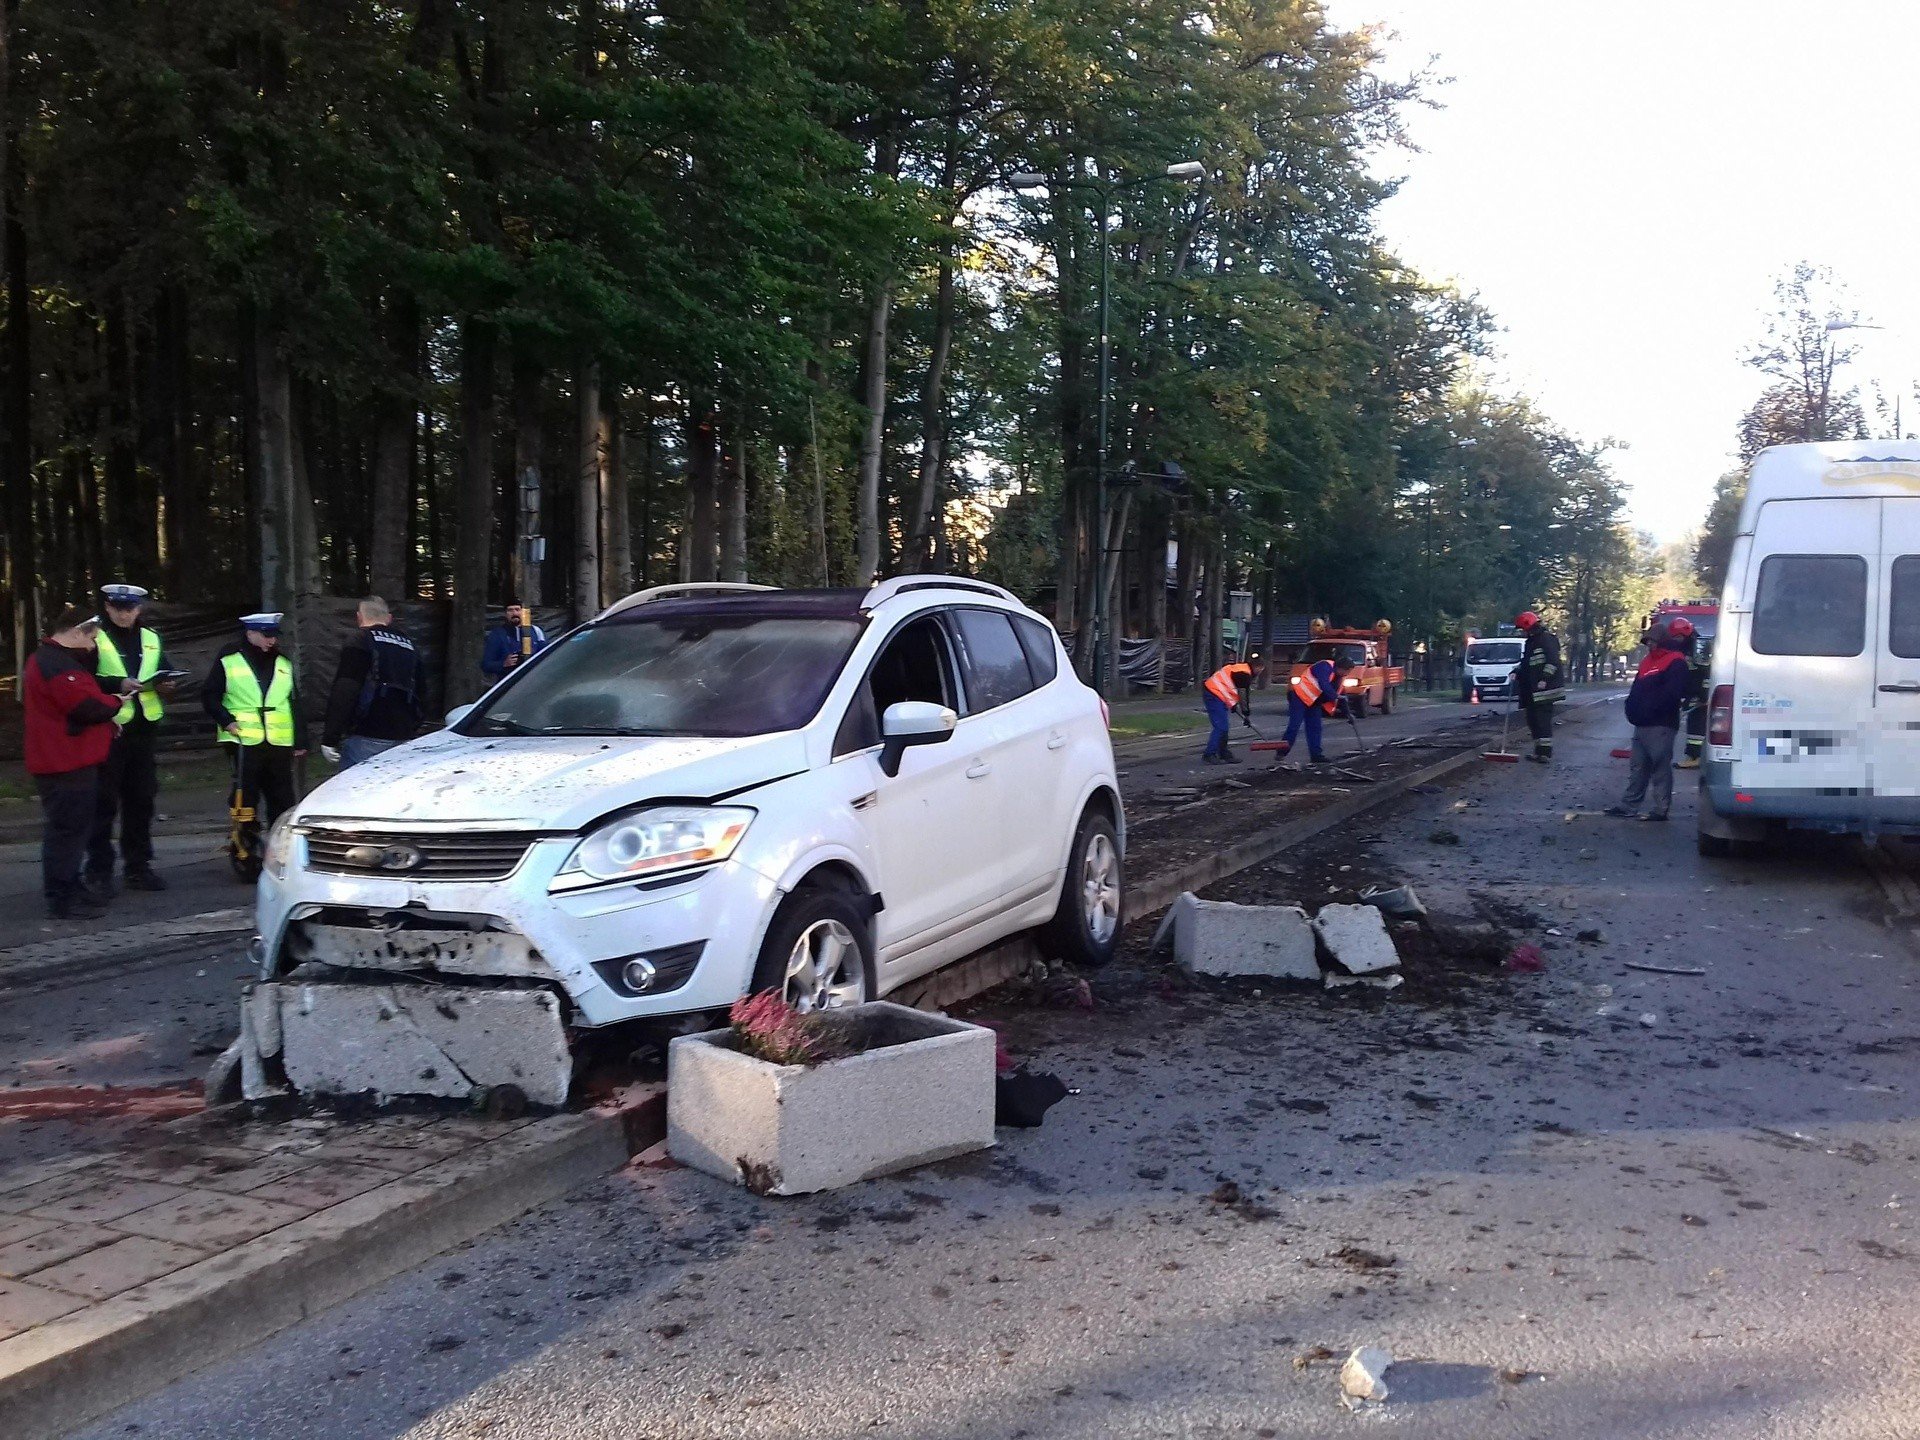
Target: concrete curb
x=59 y=1376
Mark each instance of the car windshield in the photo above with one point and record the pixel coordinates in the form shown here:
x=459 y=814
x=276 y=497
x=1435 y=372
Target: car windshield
x=1326 y=650
x=1495 y=652
x=705 y=674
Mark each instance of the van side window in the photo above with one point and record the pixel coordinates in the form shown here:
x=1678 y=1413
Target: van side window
x=915 y=665
x=1903 y=608
x=1811 y=605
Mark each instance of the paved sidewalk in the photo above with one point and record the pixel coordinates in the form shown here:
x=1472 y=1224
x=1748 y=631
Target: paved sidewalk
x=120 y=1271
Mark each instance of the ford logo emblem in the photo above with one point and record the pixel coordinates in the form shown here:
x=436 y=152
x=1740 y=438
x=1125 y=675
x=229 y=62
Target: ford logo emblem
x=396 y=858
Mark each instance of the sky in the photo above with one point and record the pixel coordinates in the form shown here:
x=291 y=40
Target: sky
x=1622 y=182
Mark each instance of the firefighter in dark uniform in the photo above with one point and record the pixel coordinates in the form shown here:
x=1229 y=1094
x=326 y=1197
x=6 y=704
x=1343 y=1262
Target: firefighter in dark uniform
x=250 y=694
x=1699 y=666
x=129 y=781
x=1541 y=683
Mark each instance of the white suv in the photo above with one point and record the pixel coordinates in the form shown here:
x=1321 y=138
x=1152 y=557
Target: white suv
x=709 y=791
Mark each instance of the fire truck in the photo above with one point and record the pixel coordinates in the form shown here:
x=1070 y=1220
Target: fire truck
x=1705 y=615
x=1374 y=682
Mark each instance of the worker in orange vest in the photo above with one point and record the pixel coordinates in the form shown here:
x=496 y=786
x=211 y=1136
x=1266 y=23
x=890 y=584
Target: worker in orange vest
x=1228 y=689
x=1314 y=692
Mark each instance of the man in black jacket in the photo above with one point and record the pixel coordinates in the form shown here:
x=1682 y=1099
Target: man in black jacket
x=1653 y=709
x=375 y=701
x=1540 y=684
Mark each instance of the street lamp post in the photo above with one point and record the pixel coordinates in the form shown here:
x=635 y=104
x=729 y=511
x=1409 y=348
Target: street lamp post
x=1186 y=172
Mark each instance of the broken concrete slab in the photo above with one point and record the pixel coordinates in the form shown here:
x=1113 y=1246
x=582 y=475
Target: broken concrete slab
x=387 y=1040
x=1391 y=981
x=1217 y=937
x=1356 y=938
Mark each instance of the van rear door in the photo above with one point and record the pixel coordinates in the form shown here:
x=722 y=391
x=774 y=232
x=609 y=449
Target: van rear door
x=1896 y=717
x=1805 y=671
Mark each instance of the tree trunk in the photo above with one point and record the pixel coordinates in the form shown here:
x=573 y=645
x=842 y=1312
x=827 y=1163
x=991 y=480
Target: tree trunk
x=819 y=516
x=616 y=545
x=733 y=554
x=874 y=396
x=271 y=431
x=589 y=482
x=393 y=452
x=933 y=421
x=703 y=483
x=528 y=440
x=16 y=374
x=473 y=513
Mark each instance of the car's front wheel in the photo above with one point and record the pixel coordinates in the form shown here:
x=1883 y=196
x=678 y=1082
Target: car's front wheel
x=819 y=950
x=1086 y=927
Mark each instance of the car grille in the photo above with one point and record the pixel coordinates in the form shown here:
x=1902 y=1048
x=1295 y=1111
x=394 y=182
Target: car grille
x=475 y=855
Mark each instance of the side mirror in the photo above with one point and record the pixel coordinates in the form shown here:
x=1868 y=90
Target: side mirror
x=912 y=722
x=458 y=713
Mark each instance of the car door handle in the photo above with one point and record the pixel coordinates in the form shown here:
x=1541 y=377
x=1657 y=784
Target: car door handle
x=1905 y=687
x=979 y=770
x=1056 y=741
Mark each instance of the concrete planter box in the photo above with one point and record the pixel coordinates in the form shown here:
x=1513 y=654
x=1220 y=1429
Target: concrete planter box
x=921 y=1088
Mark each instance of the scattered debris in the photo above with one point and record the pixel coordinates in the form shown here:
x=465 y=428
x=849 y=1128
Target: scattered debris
x=1444 y=836
x=1363 y=1379
x=1526 y=960
x=1649 y=1019
x=1662 y=969
x=1621 y=754
x=1217 y=937
x=1310 y=1357
x=1354 y=775
x=1356 y=938
x=1590 y=936
x=1336 y=981
x=1520 y=1377
x=1355 y=1257
x=1021 y=1100
x=1398 y=901
x=1468 y=939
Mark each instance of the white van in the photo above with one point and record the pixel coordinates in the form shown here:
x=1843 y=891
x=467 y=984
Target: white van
x=1814 y=712
x=1488 y=666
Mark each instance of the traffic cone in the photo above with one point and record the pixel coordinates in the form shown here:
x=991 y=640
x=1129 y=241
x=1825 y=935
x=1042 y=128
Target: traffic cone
x=1476 y=696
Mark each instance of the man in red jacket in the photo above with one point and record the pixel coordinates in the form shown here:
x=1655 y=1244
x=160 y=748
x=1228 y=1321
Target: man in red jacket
x=70 y=727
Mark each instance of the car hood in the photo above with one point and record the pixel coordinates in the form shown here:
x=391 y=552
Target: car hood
x=546 y=782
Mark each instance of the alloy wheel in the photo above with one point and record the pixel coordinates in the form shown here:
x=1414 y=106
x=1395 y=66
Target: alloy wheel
x=824 y=970
x=1100 y=888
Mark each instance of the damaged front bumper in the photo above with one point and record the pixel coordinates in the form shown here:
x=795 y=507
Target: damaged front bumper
x=360 y=1037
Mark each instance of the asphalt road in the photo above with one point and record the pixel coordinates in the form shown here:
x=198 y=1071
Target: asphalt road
x=1590 y=1202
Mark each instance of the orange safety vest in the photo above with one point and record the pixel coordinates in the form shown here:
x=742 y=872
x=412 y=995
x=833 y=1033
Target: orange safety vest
x=1310 y=693
x=1222 y=686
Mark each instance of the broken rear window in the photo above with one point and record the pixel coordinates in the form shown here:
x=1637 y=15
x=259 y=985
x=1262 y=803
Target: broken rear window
x=709 y=675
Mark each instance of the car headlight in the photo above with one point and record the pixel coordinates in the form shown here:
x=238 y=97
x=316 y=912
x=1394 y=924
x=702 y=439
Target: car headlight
x=279 y=847
x=651 y=843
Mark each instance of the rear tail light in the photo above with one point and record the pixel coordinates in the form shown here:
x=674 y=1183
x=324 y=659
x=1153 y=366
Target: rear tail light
x=1720 y=716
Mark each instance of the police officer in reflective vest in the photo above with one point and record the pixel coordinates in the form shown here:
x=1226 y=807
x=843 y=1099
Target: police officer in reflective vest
x=1228 y=689
x=251 y=696
x=1540 y=682
x=1311 y=695
x=129 y=781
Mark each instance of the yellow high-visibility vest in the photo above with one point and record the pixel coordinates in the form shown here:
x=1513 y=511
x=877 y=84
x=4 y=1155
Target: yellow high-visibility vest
x=112 y=667
x=264 y=719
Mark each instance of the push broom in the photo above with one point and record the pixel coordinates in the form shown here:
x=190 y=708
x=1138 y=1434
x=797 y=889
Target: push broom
x=1503 y=755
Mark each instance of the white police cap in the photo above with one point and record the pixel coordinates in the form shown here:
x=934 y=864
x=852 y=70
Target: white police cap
x=124 y=594
x=263 y=620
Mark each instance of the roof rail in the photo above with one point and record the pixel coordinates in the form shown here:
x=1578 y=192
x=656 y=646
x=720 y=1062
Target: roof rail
x=675 y=592
x=885 y=590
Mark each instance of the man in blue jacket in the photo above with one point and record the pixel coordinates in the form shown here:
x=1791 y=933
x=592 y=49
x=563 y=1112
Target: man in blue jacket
x=511 y=643
x=1653 y=709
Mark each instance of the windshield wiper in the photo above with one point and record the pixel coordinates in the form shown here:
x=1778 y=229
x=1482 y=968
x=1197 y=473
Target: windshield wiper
x=501 y=726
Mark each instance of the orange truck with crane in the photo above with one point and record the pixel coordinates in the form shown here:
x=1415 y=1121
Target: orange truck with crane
x=1374 y=682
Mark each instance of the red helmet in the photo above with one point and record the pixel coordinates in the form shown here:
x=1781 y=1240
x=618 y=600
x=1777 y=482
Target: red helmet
x=1526 y=620
x=1680 y=628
